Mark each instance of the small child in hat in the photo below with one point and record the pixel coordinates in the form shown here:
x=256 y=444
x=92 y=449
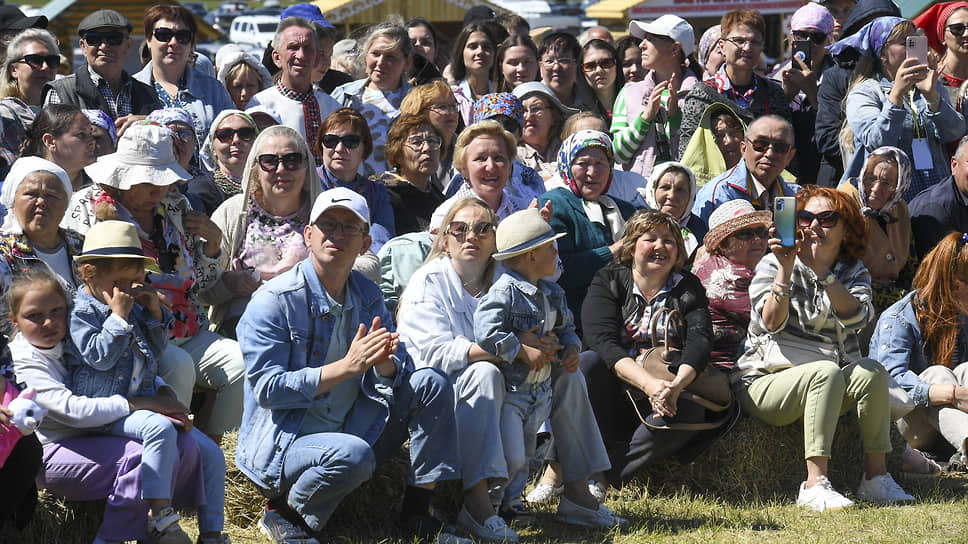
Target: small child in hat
x=120 y=328
x=521 y=304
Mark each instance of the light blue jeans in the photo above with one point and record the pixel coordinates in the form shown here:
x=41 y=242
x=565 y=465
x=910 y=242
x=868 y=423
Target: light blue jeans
x=320 y=469
x=158 y=437
x=211 y=515
x=479 y=393
x=523 y=413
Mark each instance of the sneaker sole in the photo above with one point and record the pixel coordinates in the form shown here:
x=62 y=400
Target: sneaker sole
x=268 y=534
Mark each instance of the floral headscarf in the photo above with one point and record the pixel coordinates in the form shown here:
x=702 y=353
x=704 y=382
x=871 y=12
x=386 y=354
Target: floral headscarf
x=100 y=119
x=903 y=182
x=868 y=41
x=207 y=153
x=494 y=104
x=708 y=41
x=21 y=168
x=165 y=116
x=575 y=144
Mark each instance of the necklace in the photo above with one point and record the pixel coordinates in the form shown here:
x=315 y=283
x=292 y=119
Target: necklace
x=467 y=287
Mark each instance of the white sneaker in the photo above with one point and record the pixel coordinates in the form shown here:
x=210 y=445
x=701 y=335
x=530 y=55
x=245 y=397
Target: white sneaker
x=544 y=493
x=600 y=518
x=494 y=529
x=882 y=489
x=822 y=497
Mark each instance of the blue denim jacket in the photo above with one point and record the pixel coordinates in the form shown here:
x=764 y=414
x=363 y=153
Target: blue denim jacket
x=732 y=184
x=203 y=98
x=284 y=336
x=897 y=344
x=512 y=306
x=107 y=350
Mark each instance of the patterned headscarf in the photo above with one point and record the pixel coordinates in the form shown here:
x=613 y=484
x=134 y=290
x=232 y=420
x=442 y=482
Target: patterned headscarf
x=903 y=182
x=494 y=104
x=207 y=153
x=103 y=120
x=164 y=116
x=575 y=144
x=869 y=40
x=708 y=41
x=813 y=16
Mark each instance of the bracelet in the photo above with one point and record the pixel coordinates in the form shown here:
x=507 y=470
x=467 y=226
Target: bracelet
x=778 y=294
x=782 y=285
x=953 y=389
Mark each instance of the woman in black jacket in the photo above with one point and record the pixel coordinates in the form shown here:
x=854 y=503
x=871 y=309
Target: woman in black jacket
x=622 y=297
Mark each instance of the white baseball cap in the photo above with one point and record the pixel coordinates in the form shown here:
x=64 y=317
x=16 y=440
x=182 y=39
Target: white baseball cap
x=340 y=197
x=670 y=26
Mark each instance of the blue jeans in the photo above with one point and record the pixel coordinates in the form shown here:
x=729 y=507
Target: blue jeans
x=479 y=391
x=158 y=438
x=523 y=413
x=320 y=469
x=211 y=515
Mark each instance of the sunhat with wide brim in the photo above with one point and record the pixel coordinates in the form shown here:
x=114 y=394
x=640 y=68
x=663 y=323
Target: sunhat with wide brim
x=733 y=216
x=145 y=154
x=113 y=240
x=521 y=232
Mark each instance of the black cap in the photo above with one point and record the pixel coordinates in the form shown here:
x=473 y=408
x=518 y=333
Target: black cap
x=479 y=13
x=11 y=18
x=103 y=18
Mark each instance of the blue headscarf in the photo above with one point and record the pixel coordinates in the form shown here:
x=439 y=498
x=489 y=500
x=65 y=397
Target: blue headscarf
x=868 y=41
x=575 y=144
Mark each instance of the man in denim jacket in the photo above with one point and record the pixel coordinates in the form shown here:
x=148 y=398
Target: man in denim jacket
x=330 y=392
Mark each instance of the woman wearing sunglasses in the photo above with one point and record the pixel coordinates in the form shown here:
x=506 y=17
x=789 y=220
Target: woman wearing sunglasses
x=896 y=100
x=878 y=191
x=170 y=32
x=646 y=118
x=224 y=152
x=31 y=62
x=599 y=64
x=946 y=26
x=263 y=224
x=344 y=142
x=803 y=359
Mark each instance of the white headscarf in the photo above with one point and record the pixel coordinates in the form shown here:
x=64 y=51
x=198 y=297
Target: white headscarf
x=21 y=168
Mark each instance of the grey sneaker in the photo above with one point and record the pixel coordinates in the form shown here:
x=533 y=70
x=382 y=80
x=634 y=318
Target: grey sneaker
x=282 y=531
x=494 y=529
x=600 y=518
x=164 y=529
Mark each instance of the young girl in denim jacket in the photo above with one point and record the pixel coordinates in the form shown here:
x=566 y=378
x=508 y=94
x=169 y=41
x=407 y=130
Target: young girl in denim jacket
x=120 y=328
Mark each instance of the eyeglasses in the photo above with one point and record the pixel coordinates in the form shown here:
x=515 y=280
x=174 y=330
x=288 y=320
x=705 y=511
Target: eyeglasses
x=957 y=29
x=37 y=61
x=744 y=43
x=564 y=63
x=164 y=35
x=748 y=234
x=604 y=64
x=433 y=143
x=183 y=135
x=290 y=161
x=760 y=146
x=226 y=135
x=330 y=227
x=444 y=109
x=95 y=39
x=827 y=219
x=459 y=229
x=817 y=37
x=349 y=141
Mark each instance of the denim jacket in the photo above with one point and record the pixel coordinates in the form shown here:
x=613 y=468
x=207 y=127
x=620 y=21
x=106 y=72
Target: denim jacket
x=284 y=335
x=203 y=97
x=897 y=344
x=733 y=184
x=511 y=306
x=107 y=349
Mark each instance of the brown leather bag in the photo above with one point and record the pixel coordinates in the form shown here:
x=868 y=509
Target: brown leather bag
x=710 y=389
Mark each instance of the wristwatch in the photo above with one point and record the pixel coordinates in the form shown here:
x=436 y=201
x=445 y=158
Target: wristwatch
x=827 y=281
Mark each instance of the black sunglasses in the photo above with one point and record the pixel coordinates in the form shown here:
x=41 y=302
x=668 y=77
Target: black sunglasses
x=350 y=141
x=165 y=35
x=818 y=38
x=827 y=219
x=290 y=161
x=748 y=234
x=760 y=146
x=957 y=29
x=459 y=229
x=226 y=135
x=95 y=39
x=37 y=61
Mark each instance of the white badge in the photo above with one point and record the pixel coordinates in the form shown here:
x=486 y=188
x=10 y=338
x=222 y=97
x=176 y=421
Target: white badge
x=922 y=154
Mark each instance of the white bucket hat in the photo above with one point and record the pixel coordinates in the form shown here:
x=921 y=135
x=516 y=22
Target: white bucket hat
x=145 y=154
x=521 y=232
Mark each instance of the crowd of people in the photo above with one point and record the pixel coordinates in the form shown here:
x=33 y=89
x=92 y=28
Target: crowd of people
x=518 y=253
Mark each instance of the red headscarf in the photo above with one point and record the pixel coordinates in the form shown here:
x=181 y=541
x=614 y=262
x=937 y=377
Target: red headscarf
x=933 y=22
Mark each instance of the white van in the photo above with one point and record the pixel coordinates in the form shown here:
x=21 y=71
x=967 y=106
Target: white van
x=253 y=29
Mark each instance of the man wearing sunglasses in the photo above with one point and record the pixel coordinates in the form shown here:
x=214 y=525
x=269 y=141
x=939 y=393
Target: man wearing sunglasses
x=102 y=84
x=293 y=98
x=767 y=150
x=330 y=390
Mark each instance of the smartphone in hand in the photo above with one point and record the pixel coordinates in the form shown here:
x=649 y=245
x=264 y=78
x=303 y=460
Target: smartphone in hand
x=917 y=48
x=802 y=50
x=785 y=220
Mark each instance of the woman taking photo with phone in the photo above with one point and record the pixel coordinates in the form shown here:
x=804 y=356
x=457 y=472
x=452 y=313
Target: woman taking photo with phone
x=897 y=100
x=809 y=299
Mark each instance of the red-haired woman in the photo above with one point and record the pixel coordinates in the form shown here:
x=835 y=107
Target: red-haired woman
x=922 y=340
x=803 y=360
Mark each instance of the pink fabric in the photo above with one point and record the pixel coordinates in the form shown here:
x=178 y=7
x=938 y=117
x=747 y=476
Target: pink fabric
x=10 y=434
x=727 y=288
